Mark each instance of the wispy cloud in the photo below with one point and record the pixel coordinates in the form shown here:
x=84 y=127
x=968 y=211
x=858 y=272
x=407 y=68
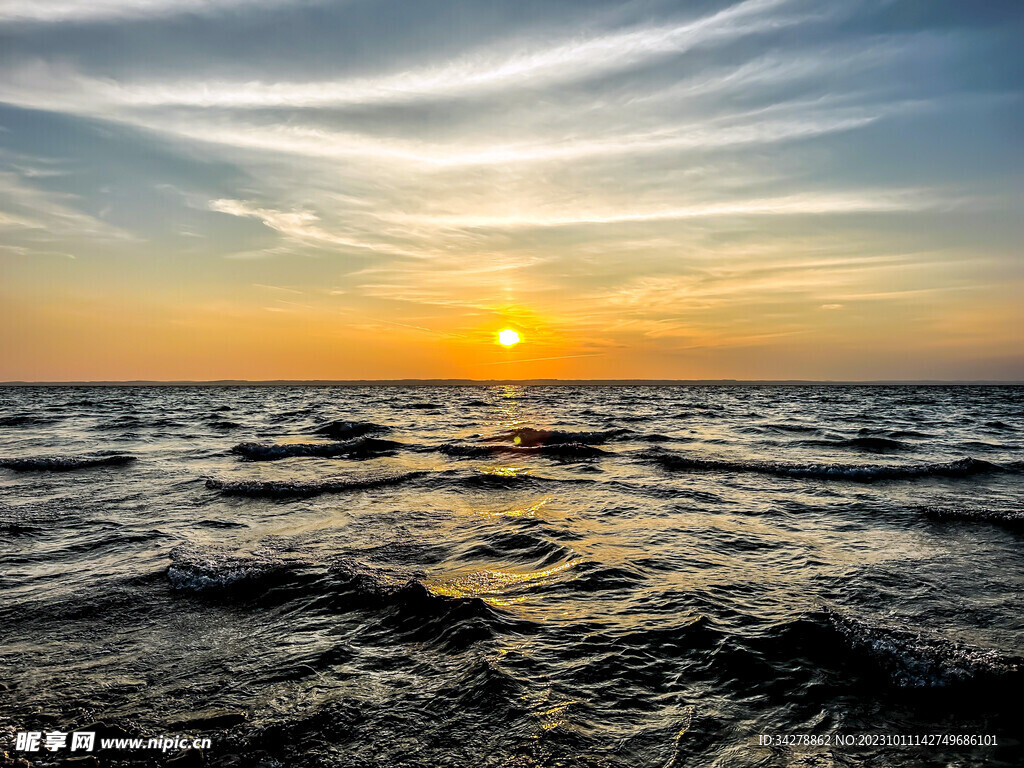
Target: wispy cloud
x=518 y=66
x=42 y=216
x=876 y=201
x=304 y=227
x=704 y=136
x=56 y=11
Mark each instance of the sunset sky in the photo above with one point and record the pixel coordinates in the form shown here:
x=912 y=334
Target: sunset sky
x=265 y=189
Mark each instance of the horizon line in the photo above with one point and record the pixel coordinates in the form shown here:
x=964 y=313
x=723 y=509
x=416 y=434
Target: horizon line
x=410 y=382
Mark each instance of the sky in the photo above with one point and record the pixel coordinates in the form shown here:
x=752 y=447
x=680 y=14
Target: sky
x=373 y=189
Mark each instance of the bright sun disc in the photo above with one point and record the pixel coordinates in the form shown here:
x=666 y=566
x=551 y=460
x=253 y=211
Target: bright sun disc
x=508 y=338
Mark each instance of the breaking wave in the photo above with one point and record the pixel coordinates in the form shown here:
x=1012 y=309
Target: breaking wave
x=65 y=463
x=923 y=660
x=351 y=449
x=869 y=444
x=826 y=471
x=196 y=567
x=1009 y=518
x=401 y=601
x=554 y=450
x=347 y=430
x=298 y=488
x=527 y=436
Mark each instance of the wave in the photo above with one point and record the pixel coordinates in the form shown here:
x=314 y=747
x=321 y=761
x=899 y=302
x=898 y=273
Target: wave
x=166 y=421
x=379 y=586
x=291 y=415
x=656 y=437
x=790 y=428
x=923 y=660
x=286 y=488
x=1006 y=517
x=21 y=420
x=481 y=683
x=527 y=436
x=521 y=547
x=410 y=606
x=869 y=444
x=554 y=450
x=14 y=528
x=65 y=463
x=358 y=448
x=570 y=451
x=199 y=567
x=505 y=478
x=213 y=523
x=485 y=480
x=594 y=577
x=122 y=422
x=347 y=430
x=41 y=515
x=463 y=451
x=398 y=603
x=856 y=472
x=196 y=567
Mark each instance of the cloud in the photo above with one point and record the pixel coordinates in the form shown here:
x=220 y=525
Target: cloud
x=304 y=227
x=523 y=66
x=646 y=174
x=867 y=201
x=48 y=217
x=59 y=11
x=704 y=137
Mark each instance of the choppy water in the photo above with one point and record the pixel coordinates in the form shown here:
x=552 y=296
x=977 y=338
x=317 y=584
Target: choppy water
x=517 y=576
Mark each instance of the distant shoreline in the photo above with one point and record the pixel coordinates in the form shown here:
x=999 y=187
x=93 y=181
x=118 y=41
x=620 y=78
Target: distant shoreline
x=512 y=382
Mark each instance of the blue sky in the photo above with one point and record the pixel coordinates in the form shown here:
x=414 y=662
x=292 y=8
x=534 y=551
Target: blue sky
x=271 y=189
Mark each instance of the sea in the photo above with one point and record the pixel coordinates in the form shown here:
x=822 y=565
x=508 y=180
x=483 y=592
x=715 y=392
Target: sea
x=516 y=576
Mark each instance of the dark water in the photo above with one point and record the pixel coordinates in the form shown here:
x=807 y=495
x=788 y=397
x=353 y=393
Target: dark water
x=508 y=576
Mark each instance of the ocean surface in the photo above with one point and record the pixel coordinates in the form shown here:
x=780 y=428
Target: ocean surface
x=516 y=576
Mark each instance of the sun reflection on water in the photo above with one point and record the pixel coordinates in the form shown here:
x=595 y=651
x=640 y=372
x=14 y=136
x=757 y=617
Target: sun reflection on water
x=495 y=586
x=502 y=471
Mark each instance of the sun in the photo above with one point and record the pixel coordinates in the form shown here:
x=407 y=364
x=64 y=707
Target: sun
x=508 y=338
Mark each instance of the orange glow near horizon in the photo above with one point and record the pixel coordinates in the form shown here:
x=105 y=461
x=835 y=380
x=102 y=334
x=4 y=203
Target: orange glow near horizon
x=126 y=330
